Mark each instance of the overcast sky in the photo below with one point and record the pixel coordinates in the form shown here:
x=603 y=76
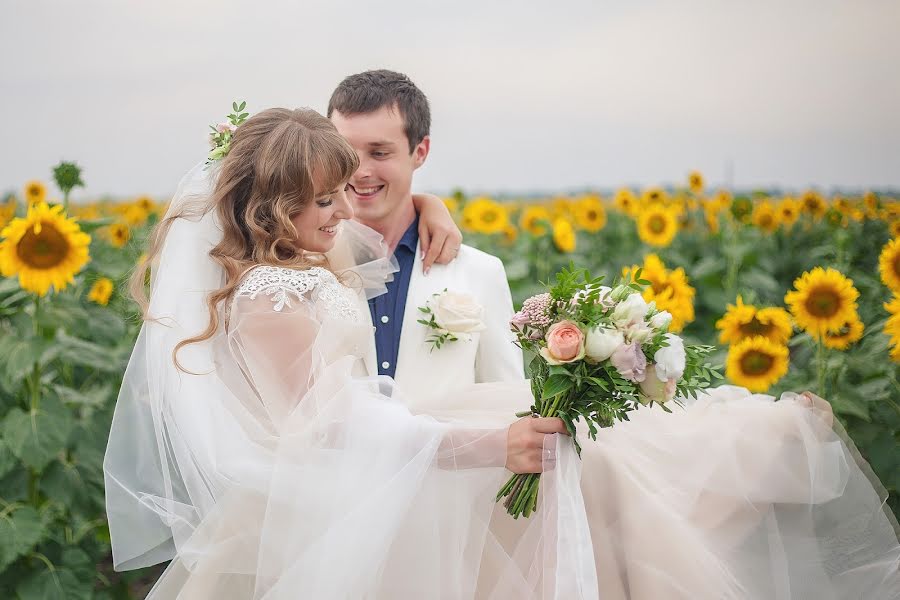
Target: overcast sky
x=525 y=95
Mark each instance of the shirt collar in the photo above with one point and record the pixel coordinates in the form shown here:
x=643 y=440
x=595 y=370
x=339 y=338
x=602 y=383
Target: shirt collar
x=410 y=239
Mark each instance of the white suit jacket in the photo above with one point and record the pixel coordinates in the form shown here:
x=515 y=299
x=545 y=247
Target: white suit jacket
x=491 y=355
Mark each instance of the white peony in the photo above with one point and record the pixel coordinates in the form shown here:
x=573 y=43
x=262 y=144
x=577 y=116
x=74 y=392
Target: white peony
x=631 y=309
x=457 y=313
x=601 y=342
x=661 y=320
x=670 y=361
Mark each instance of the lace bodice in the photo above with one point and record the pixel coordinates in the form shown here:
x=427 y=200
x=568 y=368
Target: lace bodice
x=286 y=286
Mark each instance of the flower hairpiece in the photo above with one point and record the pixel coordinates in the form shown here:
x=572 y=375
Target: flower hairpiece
x=222 y=133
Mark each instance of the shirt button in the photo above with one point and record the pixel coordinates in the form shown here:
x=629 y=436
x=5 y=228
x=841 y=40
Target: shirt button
x=385 y=319
x=385 y=365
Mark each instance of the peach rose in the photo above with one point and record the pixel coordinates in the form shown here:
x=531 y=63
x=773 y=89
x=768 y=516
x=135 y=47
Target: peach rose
x=565 y=343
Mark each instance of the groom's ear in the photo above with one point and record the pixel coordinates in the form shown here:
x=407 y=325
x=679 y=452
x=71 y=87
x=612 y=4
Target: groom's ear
x=420 y=152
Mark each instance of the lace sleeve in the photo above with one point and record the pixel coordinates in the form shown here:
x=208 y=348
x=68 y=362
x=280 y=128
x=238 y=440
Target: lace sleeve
x=272 y=332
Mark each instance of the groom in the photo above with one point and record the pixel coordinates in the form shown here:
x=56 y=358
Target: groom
x=387 y=120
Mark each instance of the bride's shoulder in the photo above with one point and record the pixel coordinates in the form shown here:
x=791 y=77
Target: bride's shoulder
x=280 y=282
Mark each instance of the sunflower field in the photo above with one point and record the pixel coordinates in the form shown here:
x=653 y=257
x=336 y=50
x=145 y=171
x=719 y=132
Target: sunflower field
x=797 y=291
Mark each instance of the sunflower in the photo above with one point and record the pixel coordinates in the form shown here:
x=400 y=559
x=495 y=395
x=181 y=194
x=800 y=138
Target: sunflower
x=119 y=234
x=823 y=301
x=742 y=321
x=46 y=248
x=626 y=202
x=723 y=200
x=671 y=290
x=135 y=215
x=695 y=181
x=870 y=199
x=812 y=203
x=788 y=211
x=836 y=219
x=510 y=234
x=889 y=264
x=589 y=214
x=892 y=327
x=101 y=291
x=742 y=209
x=756 y=363
x=654 y=195
x=894 y=228
x=657 y=225
x=563 y=235
x=483 y=215
x=533 y=219
x=146 y=204
x=35 y=192
x=851 y=332
x=562 y=207
x=765 y=217
x=842 y=205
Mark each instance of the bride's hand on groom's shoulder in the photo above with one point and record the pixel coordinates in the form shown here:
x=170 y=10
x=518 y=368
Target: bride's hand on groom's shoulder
x=525 y=443
x=439 y=237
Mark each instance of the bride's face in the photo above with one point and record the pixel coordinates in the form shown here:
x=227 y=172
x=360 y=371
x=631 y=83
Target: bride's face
x=320 y=220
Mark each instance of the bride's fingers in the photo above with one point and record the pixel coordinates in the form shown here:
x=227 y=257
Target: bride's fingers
x=438 y=238
x=550 y=425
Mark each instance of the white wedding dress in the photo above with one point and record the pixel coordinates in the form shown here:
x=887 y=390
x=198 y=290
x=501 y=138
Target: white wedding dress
x=278 y=470
x=275 y=469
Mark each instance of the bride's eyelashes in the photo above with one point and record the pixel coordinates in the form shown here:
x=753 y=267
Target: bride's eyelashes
x=325 y=202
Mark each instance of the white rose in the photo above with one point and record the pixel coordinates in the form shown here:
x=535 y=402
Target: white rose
x=670 y=360
x=633 y=308
x=601 y=342
x=458 y=314
x=661 y=320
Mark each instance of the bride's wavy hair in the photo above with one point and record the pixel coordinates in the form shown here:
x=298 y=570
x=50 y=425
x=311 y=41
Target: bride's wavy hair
x=279 y=161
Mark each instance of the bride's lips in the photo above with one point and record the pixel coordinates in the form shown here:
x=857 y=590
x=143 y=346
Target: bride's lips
x=365 y=193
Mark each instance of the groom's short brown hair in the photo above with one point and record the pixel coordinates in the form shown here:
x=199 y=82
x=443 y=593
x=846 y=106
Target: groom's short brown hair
x=371 y=90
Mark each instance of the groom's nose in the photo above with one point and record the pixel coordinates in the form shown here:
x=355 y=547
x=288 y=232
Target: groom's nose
x=365 y=168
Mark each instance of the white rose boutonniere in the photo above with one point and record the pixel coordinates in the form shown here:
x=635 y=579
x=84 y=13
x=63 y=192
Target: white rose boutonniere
x=453 y=317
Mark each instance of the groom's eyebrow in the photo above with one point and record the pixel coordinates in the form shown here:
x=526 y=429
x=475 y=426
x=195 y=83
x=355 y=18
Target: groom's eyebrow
x=380 y=144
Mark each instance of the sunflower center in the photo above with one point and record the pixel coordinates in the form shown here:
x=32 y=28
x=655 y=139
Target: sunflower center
x=592 y=215
x=656 y=224
x=756 y=363
x=43 y=250
x=896 y=265
x=823 y=302
x=765 y=220
x=489 y=216
x=755 y=327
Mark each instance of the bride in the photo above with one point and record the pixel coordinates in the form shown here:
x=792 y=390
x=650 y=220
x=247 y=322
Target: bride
x=248 y=448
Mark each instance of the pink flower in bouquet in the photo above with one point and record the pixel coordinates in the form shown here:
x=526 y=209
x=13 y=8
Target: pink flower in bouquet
x=537 y=310
x=519 y=321
x=565 y=343
x=652 y=388
x=223 y=127
x=630 y=362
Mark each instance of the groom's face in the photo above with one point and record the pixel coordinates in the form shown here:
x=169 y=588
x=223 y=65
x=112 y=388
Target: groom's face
x=382 y=185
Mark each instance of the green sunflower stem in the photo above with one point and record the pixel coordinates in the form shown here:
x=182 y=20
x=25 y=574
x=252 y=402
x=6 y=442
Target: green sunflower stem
x=820 y=369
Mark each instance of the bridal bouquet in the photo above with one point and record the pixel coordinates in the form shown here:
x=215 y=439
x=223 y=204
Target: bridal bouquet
x=598 y=353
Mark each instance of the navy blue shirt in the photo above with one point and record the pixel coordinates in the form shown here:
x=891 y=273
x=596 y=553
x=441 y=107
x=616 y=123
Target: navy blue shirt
x=387 y=310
